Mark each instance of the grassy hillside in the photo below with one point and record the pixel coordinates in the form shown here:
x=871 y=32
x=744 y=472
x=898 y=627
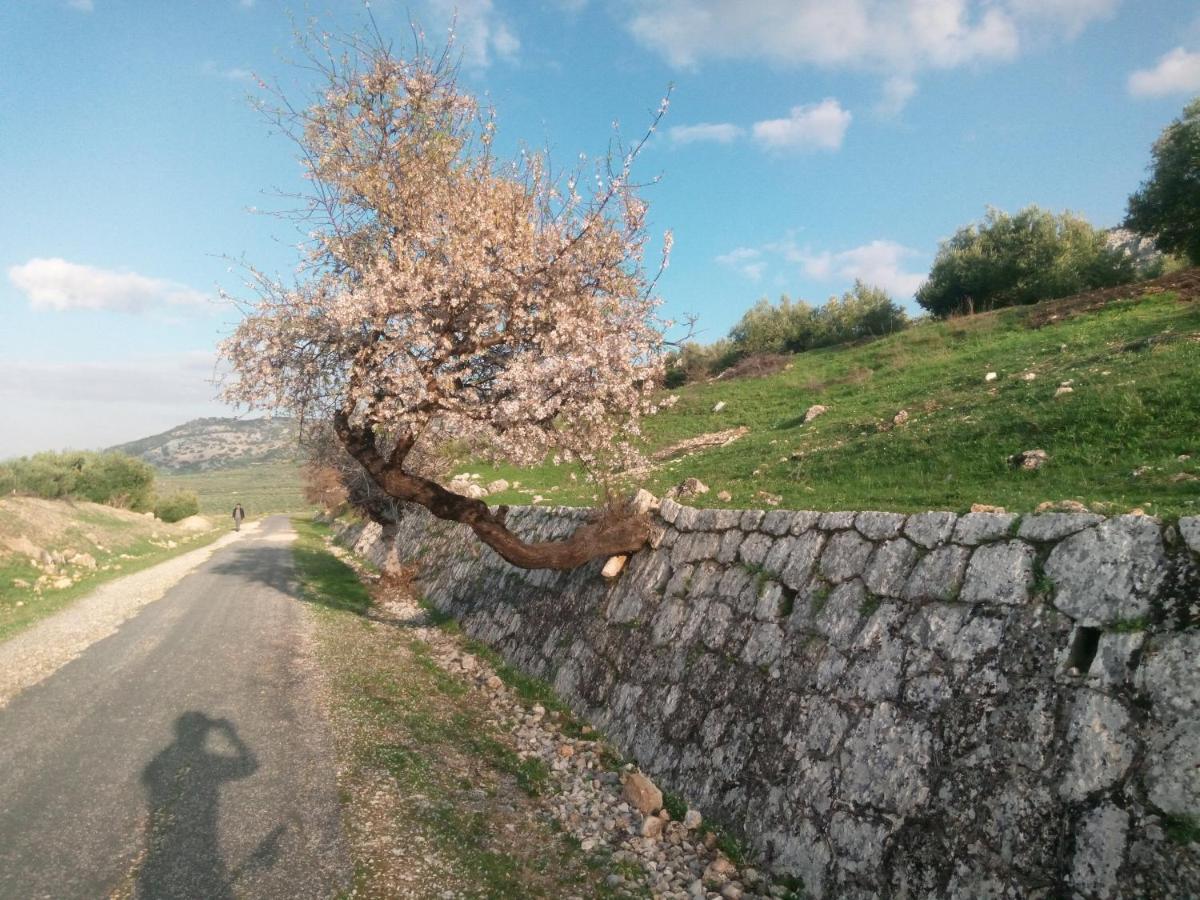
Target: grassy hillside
x=1126 y=435
x=261 y=488
x=203 y=445
x=55 y=551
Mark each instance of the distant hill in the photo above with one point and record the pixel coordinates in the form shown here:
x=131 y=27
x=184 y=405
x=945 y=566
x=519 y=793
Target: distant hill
x=203 y=445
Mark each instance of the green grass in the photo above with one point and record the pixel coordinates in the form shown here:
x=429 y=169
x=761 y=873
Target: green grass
x=1135 y=368
x=325 y=579
x=262 y=489
x=21 y=607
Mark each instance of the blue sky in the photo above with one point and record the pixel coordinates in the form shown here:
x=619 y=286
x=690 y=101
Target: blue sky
x=808 y=142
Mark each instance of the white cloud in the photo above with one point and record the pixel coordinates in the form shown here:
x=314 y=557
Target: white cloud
x=1177 y=72
x=233 y=73
x=897 y=91
x=82 y=5
x=880 y=263
x=480 y=34
x=60 y=285
x=896 y=39
x=814 y=126
x=92 y=405
x=1072 y=15
x=720 y=133
x=746 y=260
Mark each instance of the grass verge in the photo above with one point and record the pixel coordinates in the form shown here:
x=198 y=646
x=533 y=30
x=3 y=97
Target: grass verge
x=22 y=607
x=436 y=796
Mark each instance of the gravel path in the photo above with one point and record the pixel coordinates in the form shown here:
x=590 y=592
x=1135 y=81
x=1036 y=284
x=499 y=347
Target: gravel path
x=42 y=650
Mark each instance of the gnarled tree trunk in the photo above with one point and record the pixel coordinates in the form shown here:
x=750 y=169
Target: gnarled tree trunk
x=611 y=534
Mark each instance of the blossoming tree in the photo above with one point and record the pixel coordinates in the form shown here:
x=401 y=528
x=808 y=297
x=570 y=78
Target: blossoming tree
x=448 y=294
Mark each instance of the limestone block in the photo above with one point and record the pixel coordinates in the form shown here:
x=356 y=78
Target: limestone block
x=979 y=527
x=688 y=518
x=1170 y=676
x=772 y=602
x=1055 y=526
x=890 y=566
x=930 y=529
x=839 y=617
x=1110 y=572
x=845 y=556
x=885 y=761
x=730 y=541
x=777 y=522
x=1172 y=771
x=721 y=519
x=939 y=575
x=805 y=549
x=777 y=558
x=1100 y=843
x=751 y=518
x=669 y=510
x=879 y=526
x=1115 y=654
x=999 y=573
x=1189 y=529
x=804 y=520
x=754 y=549
x=1100 y=746
x=764 y=644
x=716 y=625
x=836 y=521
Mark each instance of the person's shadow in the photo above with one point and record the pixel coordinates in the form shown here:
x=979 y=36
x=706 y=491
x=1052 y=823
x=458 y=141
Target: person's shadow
x=183 y=784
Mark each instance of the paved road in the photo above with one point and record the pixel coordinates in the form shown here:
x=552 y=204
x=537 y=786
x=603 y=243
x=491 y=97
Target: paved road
x=183 y=756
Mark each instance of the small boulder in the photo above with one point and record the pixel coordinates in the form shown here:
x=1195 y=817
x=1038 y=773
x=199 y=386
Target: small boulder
x=498 y=486
x=990 y=376
x=691 y=487
x=1064 y=389
x=652 y=827
x=720 y=405
x=900 y=418
x=1029 y=459
x=813 y=412
x=724 y=496
x=1069 y=506
x=985 y=508
x=642 y=794
x=692 y=819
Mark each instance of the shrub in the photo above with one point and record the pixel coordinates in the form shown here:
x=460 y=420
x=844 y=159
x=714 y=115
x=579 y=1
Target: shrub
x=177 y=506
x=1014 y=260
x=112 y=478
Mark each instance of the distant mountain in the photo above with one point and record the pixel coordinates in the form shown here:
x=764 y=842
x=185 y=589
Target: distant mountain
x=216 y=443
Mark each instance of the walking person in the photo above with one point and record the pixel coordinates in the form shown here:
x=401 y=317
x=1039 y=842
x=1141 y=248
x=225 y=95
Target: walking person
x=238 y=515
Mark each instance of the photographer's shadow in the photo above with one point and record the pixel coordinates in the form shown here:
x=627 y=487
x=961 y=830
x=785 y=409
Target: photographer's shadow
x=183 y=784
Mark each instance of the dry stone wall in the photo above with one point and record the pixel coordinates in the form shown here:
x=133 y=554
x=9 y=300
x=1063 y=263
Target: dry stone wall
x=930 y=705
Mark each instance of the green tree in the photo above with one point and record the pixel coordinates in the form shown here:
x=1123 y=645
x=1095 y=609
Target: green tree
x=1167 y=206
x=1013 y=260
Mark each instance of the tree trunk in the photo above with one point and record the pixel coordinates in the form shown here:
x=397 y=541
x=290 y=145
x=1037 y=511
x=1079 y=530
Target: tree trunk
x=611 y=534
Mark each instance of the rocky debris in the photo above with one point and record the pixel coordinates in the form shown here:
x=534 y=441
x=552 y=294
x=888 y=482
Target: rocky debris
x=901 y=418
x=701 y=442
x=1067 y=506
x=990 y=376
x=986 y=508
x=641 y=793
x=498 y=486
x=813 y=411
x=689 y=487
x=724 y=496
x=618 y=813
x=718 y=406
x=614 y=566
x=768 y=498
x=1029 y=459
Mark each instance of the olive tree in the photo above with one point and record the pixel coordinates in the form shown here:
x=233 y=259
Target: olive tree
x=1167 y=206
x=447 y=293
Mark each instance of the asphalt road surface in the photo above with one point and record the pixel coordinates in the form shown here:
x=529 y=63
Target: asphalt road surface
x=183 y=756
